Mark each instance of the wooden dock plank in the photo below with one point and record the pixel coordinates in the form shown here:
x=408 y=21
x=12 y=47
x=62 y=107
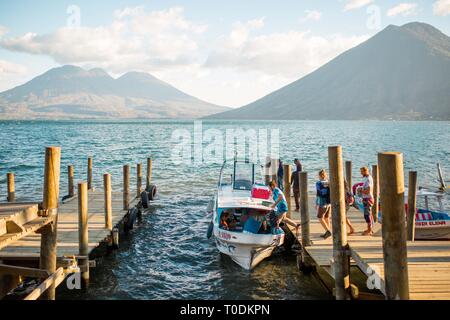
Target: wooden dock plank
x=29 y=246
x=428 y=261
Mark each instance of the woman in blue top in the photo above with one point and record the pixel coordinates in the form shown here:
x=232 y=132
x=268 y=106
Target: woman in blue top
x=323 y=203
x=280 y=204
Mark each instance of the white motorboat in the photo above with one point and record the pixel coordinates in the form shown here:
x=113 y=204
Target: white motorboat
x=432 y=220
x=247 y=242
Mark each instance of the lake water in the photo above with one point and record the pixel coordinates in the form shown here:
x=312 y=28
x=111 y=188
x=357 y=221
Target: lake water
x=168 y=256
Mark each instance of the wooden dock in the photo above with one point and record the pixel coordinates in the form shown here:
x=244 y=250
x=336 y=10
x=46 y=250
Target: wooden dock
x=28 y=247
x=54 y=238
x=428 y=261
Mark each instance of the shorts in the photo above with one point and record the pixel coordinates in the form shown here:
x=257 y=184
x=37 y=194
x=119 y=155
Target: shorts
x=324 y=212
x=368 y=211
x=274 y=217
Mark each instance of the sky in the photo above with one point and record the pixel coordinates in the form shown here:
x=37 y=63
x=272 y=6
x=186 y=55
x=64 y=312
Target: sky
x=229 y=53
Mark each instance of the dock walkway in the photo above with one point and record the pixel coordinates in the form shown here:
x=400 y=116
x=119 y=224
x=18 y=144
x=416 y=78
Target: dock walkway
x=428 y=261
x=28 y=247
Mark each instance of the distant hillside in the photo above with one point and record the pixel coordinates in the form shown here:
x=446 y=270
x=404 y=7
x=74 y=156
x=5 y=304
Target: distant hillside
x=71 y=92
x=400 y=73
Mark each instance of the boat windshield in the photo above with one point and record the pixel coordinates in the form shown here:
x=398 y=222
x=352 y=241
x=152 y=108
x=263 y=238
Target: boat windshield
x=244 y=175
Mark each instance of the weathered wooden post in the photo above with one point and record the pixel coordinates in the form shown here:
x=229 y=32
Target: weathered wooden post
x=376 y=192
x=70 y=176
x=138 y=179
x=108 y=203
x=274 y=163
x=11 y=188
x=115 y=238
x=338 y=214
x=412 y=205
x=89 y=174
x=126 y=187
x=83 y=231
x=392 y=191
x=287 y=187
x=149 y=172
x=47 y=259
x=267 y=170
x=304 y=209
x=348 y=173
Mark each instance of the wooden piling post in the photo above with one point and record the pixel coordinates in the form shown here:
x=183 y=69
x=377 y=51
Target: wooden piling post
x=274 y=168
x=47 y=259
x=338 y=214
x=392 y=191
x=126 y=187
x=304 y=209
x=138 y=179
x=149 y=171
x=287 y=187
x=108 y=203
x=348 y=173
x=376 y=192
x=89 y=174
x=412 y=205
x=83 y=231
x=70 y=181
x=115 y=238
x=11 y=187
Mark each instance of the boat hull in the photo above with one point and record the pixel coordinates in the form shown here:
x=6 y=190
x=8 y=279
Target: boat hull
x=247 y=250
x=432 y=230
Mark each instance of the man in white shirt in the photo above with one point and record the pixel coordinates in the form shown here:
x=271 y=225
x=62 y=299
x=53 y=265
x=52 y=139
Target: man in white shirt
x=368 y=200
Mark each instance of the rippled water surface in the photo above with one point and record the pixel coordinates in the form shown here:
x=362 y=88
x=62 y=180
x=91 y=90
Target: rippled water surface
x=168 y=256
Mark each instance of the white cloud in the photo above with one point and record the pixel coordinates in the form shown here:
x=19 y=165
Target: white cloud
x=10 y=68
x=405 y=9
x=441 y=8
x=289 y=54
x=356 y=4
x=3 y=31
x=11 y=74
x=311 y=15
x=241 y=31
x=136 y=39
x=181 y=52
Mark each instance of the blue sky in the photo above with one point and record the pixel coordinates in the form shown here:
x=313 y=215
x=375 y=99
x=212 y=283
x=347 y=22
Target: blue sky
x=227 y=52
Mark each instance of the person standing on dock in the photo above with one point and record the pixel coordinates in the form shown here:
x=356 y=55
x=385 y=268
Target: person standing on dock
x=280 y=204
x=323 y=203
x=349 y=201
x=368 y=200
x=280 y=173
x=296 y=184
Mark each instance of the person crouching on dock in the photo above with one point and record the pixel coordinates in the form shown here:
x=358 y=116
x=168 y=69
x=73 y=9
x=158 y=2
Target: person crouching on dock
x=280 y=204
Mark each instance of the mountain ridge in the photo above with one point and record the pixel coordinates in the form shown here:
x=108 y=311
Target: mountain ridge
x=71 y=92
x=399 y=73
